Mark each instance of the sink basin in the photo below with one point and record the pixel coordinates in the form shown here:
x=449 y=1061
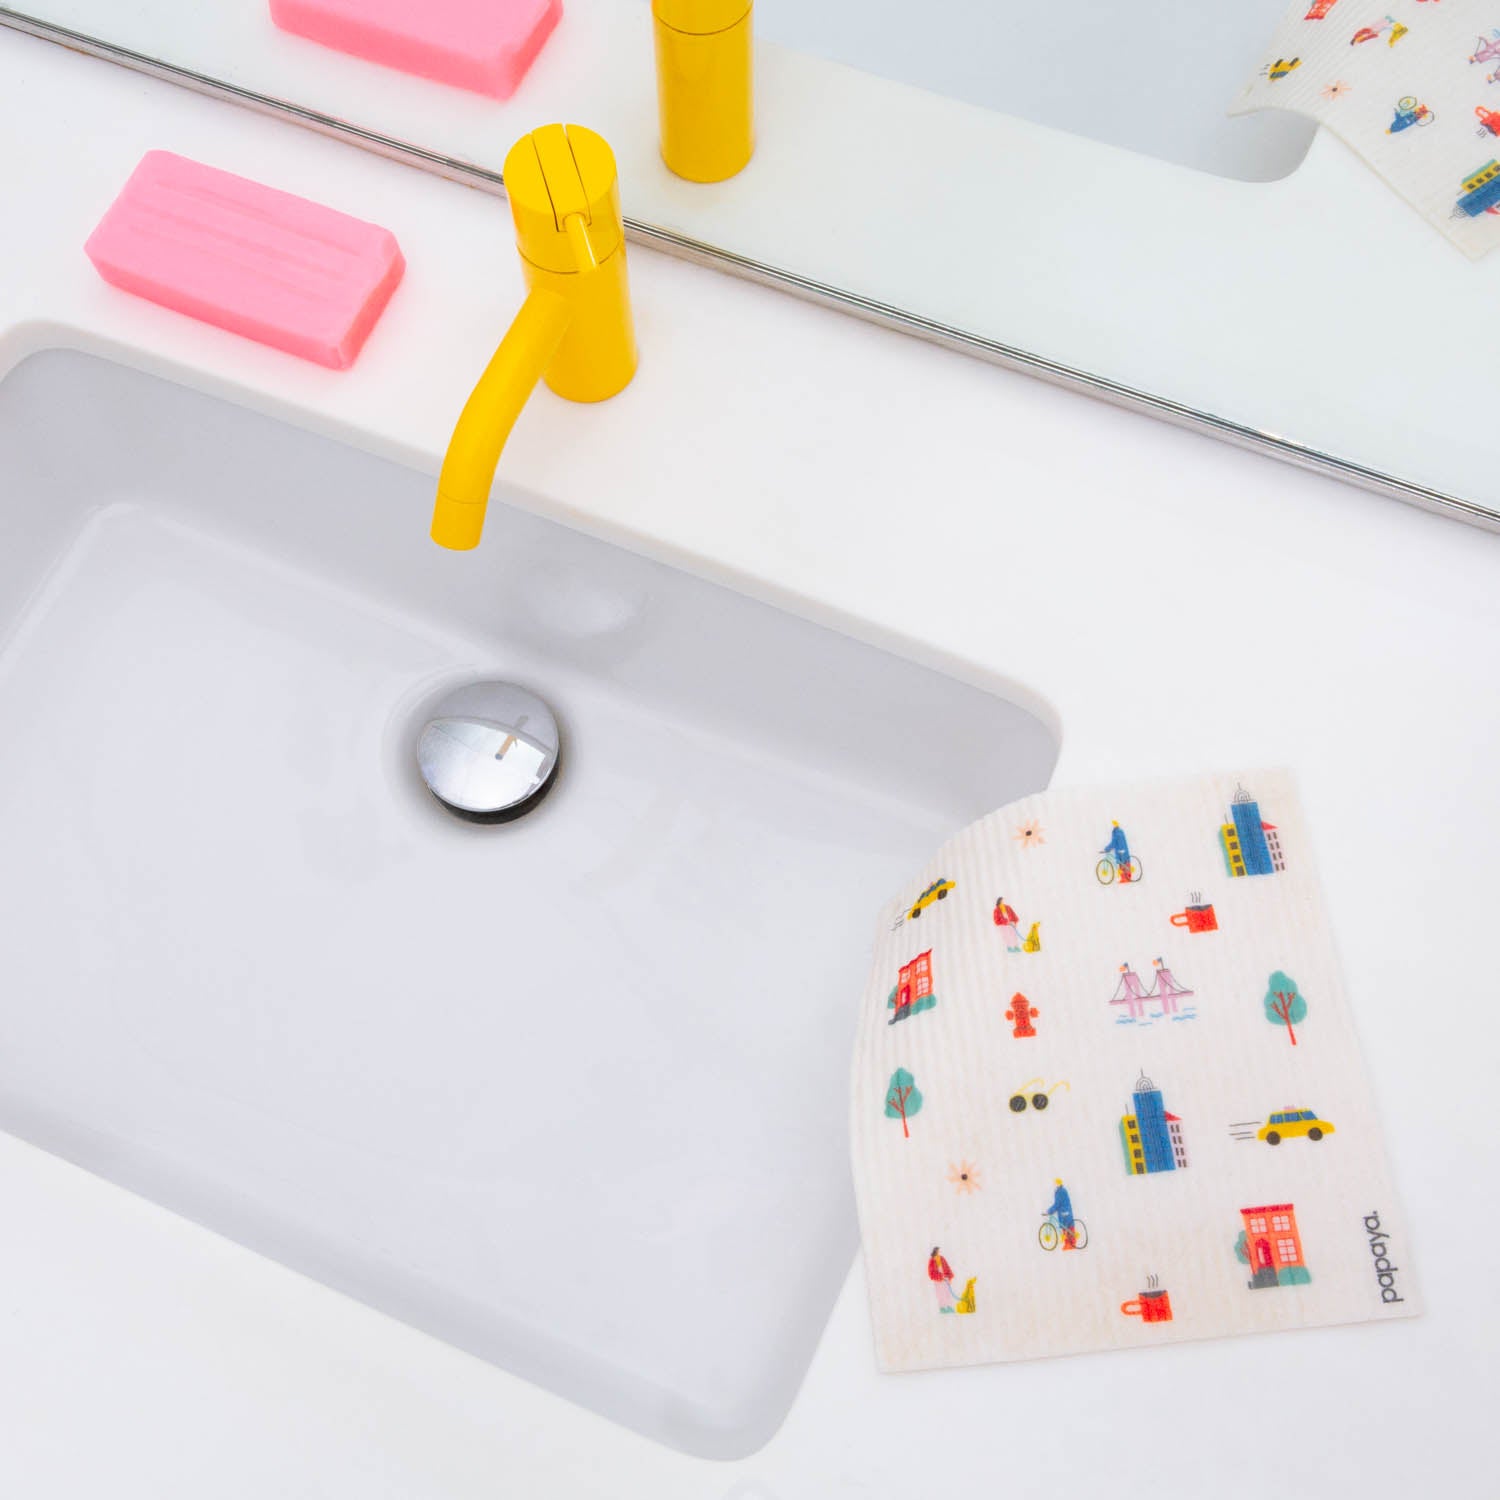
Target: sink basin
x=1156 y=76
x=569 y=1092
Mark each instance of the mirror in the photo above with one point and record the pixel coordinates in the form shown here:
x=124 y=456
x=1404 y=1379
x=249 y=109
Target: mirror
x=1057 y=187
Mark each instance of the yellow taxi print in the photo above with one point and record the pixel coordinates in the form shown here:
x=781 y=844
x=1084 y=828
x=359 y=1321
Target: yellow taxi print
x=1289 y=1122
x=935 y=892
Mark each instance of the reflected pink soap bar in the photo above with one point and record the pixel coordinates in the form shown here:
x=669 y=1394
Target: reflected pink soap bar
x=484 y=45
x=279 y=269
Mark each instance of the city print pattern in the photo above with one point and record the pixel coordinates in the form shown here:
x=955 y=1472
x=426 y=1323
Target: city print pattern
x=1413 y=85
x=1268 y=1246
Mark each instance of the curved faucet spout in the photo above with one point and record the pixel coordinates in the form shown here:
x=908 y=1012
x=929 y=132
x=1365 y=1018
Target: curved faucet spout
x=489 y=414
x=574 y=329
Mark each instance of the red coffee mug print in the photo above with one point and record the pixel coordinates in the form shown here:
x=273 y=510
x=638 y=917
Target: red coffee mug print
x=1153 y=1305
x=1199 y=916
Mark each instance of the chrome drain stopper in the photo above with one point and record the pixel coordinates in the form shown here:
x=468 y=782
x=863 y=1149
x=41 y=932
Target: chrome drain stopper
x=490 y=751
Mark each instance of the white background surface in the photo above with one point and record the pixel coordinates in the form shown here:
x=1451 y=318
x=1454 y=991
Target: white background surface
x=1272 y=617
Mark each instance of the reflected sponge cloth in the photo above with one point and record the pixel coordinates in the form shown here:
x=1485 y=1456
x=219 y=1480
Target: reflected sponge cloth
x=248 y=258
x=483 y=45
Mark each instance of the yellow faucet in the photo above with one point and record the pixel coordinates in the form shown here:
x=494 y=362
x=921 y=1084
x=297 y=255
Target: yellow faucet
x=574 y=329
x=704 y=86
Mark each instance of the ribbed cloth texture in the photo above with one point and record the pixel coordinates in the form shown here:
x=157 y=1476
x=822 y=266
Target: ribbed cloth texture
x=1217 y=1060
x=1413 y=86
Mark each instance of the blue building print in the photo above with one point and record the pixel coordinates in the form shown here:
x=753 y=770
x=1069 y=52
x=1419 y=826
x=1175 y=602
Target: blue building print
x=1251 y=845
x=1152 y=1135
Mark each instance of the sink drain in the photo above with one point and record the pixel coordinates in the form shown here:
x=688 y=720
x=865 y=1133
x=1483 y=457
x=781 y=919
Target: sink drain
x=489 y=752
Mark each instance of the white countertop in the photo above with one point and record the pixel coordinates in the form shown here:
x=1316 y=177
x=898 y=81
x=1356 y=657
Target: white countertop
x=967 y=515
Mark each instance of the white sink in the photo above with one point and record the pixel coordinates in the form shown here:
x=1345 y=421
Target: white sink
x=570 y=1092
x=1156 y=76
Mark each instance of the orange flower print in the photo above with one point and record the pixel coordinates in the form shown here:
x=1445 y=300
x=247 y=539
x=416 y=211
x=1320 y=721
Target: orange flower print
x=964 y=1177
x=1029 y=834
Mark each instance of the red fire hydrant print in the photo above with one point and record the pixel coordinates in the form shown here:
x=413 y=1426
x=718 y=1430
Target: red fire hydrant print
x=1022 y=1012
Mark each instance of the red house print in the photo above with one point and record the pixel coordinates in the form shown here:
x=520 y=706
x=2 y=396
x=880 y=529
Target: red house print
x=915 y=982
x=913 y=992
x=1271 y=1246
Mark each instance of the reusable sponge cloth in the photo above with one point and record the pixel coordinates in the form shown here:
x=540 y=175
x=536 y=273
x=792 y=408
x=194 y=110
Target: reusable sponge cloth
x=1410 y=85
x=484 y=45
x=259 y=262
x=1107 y=1091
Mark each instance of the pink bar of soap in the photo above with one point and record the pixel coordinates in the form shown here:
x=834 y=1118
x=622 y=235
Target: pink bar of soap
x=484 y=45
x=277 y=268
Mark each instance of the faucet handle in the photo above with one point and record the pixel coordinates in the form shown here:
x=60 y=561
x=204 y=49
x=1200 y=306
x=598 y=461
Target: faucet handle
x=578 y=236
x=564 y=192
